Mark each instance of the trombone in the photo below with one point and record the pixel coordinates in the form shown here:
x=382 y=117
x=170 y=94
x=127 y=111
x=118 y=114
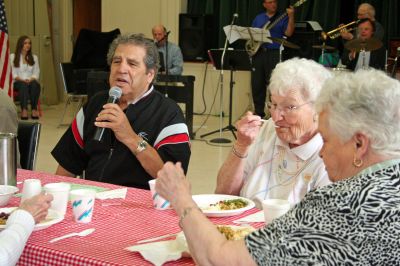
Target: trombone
x=333 y=34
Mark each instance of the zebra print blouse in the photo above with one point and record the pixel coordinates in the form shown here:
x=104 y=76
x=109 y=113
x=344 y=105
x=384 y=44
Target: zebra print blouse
x=351 y=222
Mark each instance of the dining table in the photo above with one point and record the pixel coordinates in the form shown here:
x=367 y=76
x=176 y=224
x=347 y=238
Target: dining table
x=119 y=223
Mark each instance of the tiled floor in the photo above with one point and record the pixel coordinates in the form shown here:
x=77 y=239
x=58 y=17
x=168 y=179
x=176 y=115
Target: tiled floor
x=204 y=164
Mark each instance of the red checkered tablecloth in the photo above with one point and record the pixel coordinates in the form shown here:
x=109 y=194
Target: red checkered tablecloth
x=119 y=224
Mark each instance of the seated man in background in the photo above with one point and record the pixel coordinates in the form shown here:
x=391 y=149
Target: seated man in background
x=172 y=55
x=375 y=58
x=20 y=225
x=143 y=130
x=279 y=158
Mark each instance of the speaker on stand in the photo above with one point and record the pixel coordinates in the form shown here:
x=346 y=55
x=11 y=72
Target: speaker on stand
x=197 y=34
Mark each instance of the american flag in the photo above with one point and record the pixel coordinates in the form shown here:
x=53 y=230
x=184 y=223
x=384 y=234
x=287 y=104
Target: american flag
x=6 y=81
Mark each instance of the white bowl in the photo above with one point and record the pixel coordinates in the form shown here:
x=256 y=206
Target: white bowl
x=6 y=193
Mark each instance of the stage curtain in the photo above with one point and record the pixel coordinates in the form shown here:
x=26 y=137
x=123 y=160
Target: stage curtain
x=325 y=12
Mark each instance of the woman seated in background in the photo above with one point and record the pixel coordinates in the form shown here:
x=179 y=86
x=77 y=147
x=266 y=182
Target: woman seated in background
x=279 y=159
x=25 y=71
x=353 y=221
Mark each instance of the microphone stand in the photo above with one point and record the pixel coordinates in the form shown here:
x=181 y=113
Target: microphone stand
x=166 y=63
x=221 y=84
x=395 y=63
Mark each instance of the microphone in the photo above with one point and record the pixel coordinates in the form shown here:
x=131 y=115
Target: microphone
x=113 y=96
x=235 y=16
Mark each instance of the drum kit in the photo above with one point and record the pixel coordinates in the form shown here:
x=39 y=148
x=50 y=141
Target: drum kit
x=360 y=45
x=284 y=42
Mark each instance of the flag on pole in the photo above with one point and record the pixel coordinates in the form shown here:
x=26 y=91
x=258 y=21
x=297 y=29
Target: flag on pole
x=6 y=81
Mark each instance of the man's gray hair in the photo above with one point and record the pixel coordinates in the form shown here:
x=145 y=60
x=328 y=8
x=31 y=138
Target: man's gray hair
x=303 y=75
x=151 y=59
x=368 y=102
x=370 y=8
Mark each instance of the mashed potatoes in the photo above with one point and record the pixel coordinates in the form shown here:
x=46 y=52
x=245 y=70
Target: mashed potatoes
x=234 y=232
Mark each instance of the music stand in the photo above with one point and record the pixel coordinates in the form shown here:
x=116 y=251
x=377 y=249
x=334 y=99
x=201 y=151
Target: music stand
x=247 y=33
x=234 y=60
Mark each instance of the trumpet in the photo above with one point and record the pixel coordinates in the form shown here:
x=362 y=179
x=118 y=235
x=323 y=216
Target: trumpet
x=333 y=34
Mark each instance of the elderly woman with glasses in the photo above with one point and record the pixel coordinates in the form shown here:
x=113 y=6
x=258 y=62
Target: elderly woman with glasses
x=279 y=158
x=353 y=221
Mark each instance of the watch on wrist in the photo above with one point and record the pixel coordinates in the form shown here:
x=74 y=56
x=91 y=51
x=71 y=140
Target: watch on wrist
x=142 y=145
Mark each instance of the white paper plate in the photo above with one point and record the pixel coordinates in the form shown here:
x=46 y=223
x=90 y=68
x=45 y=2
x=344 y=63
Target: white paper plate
x=52 y=218
x=205 y=200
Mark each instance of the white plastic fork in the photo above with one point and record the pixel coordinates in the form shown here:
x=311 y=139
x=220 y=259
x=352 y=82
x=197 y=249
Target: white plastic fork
x=82 y=233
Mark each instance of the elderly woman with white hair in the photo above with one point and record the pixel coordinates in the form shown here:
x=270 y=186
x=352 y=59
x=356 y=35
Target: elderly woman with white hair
x=279 y=158
x=353 y=221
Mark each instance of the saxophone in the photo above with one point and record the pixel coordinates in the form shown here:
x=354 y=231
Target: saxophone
x=252 y=46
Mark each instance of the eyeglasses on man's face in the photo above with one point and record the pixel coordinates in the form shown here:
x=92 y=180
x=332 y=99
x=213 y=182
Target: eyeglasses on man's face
x=284 y=109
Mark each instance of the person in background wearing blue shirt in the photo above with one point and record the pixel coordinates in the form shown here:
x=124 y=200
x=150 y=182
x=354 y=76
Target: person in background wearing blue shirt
x=175 y=58
x=266 y=58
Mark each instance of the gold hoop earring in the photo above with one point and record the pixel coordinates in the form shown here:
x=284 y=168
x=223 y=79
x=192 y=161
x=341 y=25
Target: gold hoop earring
x=357 y=162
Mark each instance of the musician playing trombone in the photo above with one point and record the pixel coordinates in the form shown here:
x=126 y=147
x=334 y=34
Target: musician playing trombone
x=267 y=56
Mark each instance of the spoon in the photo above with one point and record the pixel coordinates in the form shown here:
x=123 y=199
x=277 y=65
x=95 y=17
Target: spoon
x=82 y=233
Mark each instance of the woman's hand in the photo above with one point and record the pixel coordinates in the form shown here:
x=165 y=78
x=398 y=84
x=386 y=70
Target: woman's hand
x=248 y=128
x=172 y=184
x=37 y=206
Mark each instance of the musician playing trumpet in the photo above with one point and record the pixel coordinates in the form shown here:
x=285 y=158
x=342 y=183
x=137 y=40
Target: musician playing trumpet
x=267 y=56
x=365 y=51
x=364 y=11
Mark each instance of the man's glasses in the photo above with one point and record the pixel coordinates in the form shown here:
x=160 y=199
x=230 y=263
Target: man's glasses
x=286 y=109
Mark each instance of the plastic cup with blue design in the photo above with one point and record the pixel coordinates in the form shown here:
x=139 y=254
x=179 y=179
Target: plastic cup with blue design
x=82 y=204
x=158 y=202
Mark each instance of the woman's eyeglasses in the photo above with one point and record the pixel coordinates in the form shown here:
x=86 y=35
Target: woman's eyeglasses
x=285 y=109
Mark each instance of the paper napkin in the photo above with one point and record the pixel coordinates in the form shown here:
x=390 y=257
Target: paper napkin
x=161 y=252
x=119 y=193
x=257 y=217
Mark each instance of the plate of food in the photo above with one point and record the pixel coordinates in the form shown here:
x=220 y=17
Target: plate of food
x=219 y=205
x=52 y=218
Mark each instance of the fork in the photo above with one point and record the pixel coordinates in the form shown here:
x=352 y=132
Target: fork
x=82 y=233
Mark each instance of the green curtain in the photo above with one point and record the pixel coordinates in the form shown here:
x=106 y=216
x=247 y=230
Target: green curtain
x=326 y=12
